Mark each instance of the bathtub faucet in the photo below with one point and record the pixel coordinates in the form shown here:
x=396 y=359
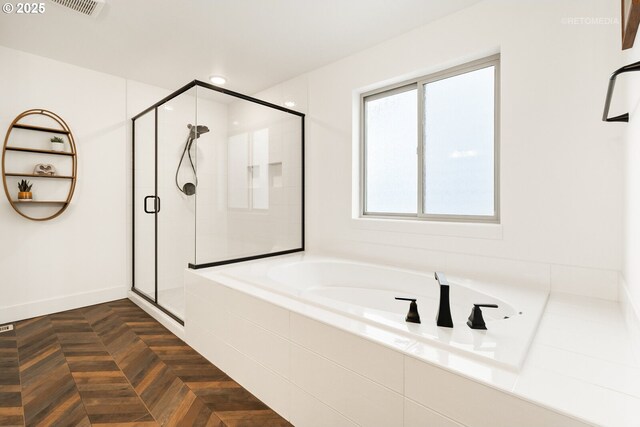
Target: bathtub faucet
x=444 y=308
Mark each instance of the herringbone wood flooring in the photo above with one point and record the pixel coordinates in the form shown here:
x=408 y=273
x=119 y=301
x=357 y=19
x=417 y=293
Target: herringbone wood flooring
x=113 y=365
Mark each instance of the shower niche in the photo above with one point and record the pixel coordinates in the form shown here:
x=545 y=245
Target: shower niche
x=218 y=178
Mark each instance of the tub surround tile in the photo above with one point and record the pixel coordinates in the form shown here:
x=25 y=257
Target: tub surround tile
x=591 y=338
x=583 y=350
x=597 y=404
x=416 y=415
x=252 y=340
x=248 y=370
x=475 y=369
x=206 y=313
x=358 y=398
x=473 y=403
x=373 y=361
x=268 y=316
x=581 y=308
x=225 y=318
x=613 y=376
x=308 y=411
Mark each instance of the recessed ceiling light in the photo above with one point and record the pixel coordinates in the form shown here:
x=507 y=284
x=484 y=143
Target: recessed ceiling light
x=217 y=80
x=289 y=104
x=235 y=123
x=168 y=107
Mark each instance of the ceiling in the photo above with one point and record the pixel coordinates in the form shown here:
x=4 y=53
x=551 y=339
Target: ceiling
x=255 y=44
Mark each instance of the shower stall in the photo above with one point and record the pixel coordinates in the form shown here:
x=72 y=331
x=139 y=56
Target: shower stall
x=218 y=178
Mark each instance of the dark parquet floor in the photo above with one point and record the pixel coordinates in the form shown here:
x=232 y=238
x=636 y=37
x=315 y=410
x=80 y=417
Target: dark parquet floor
x=114 y=365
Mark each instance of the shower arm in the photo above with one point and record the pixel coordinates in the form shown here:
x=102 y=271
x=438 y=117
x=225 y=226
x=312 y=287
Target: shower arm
x=612 y=84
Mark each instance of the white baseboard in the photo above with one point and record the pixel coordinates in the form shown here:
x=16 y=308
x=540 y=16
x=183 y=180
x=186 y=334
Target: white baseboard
x=166 y=321
x=43 y=307
x=631 y=313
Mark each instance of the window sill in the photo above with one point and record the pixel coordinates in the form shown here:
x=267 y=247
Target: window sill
x=473 y=230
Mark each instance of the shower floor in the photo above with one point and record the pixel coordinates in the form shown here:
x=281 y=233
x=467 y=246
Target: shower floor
x=173 y=300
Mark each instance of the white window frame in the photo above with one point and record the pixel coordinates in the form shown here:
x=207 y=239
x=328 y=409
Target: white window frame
x=418 y=84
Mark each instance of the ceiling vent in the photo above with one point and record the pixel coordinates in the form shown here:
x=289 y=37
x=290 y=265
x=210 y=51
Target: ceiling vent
x=86 y=7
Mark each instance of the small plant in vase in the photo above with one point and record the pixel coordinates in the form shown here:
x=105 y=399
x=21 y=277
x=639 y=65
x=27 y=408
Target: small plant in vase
x=57 y=144
x=24 y=188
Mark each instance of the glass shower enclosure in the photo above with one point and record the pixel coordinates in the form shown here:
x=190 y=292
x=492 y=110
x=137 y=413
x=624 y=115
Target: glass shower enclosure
x=218 y=178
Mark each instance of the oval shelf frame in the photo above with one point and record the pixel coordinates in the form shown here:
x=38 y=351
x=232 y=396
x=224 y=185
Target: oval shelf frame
x=73 y=177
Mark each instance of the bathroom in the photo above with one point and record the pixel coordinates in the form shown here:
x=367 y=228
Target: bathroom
x=216 y=234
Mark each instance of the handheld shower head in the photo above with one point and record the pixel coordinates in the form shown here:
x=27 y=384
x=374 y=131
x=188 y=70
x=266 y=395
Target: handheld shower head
x=189 y=188
x=196 y=131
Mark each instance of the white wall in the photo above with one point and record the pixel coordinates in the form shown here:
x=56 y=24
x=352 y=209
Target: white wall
x=560 y=165
x=80 y=257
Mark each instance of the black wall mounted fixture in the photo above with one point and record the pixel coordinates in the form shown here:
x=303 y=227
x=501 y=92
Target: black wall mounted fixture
x=612 y=84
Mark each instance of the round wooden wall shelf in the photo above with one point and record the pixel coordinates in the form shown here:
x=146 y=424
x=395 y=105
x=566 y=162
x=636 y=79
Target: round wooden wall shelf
x=38 y=208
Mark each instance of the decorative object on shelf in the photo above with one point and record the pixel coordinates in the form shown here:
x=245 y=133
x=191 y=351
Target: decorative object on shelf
x=630 y=22
x=24 y=190
x=57 y=143
x=14 y=153
x=44 y=169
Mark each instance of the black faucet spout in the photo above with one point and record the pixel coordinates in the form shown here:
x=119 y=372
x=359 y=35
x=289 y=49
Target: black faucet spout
x=444 y=308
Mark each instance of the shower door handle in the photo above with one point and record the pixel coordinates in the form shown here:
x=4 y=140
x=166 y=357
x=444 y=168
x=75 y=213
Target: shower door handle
x=156 y=204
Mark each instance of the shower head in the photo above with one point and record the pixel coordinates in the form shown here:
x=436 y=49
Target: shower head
x=196 y=131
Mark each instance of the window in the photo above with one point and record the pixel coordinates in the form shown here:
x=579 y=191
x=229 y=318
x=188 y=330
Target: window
x=430 y=146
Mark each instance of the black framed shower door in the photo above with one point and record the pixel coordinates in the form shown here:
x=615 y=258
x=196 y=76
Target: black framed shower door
x=147 y=204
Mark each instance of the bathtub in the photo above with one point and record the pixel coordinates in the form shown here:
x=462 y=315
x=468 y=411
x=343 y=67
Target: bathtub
x=366 y=293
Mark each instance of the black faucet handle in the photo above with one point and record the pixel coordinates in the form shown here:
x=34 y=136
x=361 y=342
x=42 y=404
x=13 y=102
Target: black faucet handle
x=412 y=316
x=476 y=321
